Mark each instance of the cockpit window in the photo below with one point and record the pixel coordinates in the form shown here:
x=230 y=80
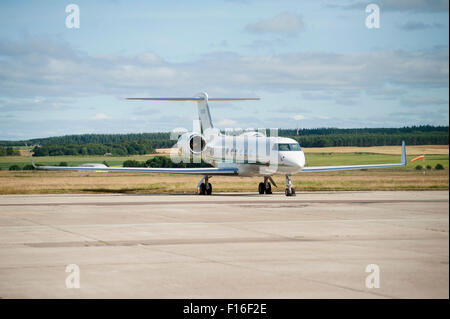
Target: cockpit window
x=283 y=147
x=289 y=147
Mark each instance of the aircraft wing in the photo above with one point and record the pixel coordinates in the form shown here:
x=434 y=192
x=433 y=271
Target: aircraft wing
x=104 y=168
x=195 y=171
x=354 y=167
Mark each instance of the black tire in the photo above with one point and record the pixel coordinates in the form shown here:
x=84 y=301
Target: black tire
x=202 y=189
x=209 y=189
x=261 y=188
x=293 y=192
x=269 y=189
x=287 y=192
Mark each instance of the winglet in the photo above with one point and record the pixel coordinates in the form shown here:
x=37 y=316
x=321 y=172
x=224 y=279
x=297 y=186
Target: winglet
x=31 y=156
x=403 y=158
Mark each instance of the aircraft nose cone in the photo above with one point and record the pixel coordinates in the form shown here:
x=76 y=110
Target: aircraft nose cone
x=300 y=160
x=295 y=159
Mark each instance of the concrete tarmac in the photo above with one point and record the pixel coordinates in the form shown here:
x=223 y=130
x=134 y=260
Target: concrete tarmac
x=240 y=245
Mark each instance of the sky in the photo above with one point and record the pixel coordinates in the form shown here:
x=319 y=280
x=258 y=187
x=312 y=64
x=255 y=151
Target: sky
x=312 y=63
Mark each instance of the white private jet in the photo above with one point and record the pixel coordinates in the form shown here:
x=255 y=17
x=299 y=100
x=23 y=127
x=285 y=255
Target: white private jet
x=247 y=154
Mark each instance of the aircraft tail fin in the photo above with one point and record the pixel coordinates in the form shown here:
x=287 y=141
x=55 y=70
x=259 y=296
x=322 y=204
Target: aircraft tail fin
x=202 y=99
x=204 y=114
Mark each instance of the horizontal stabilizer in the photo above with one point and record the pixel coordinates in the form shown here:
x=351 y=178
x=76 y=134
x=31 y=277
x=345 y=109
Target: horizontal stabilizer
x=202 y=99
x=193 y=98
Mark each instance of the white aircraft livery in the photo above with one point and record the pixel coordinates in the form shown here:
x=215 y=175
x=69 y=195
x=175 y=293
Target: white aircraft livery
x=246 y=154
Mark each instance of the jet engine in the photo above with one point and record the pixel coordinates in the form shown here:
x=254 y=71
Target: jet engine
x=191 y=144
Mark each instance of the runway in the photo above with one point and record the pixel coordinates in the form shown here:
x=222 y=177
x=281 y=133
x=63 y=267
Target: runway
x=230 y=245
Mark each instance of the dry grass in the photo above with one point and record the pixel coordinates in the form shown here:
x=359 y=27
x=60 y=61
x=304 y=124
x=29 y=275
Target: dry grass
x=28 y=182
x=163 y=151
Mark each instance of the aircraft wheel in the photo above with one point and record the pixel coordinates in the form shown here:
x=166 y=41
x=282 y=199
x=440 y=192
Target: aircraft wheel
x=269 y=189
x=261 y=188
x=289 y=193
x=209 y=189
x=202 y=190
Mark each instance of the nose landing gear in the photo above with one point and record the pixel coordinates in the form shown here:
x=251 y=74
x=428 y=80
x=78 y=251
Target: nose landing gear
x=290 y=191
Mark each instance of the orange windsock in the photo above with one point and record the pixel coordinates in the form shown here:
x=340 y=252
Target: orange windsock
x=418 y=158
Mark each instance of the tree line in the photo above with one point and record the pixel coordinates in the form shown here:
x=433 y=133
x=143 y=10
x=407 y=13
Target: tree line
x=82 y=139
x=163 y=161
x=353 y=131
x=144 y=143
x=114 y=149
x=7 y=151
x=373 y=139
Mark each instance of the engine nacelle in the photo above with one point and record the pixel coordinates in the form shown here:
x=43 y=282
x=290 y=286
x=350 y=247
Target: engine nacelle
x=191 y=144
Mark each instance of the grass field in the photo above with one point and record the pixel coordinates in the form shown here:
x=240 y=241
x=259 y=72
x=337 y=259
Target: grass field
x=25 y=182
x=29 y=182
x=315 y=156
x=7 y=161
x=312 y=159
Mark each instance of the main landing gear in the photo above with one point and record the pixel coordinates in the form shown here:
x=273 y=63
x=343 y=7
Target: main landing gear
x=290 y=191
x=204 y=187
x=266 y=187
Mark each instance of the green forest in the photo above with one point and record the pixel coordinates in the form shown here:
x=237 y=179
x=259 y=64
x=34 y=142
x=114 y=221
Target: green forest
x=114 y=149
x=7 y=151
x=163 y=161
x=146 y=143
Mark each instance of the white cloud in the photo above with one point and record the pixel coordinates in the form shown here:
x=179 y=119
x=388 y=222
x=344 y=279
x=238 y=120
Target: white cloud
x=100 y=116
x=400 y=5
x=299 y=117
x=38 y=76
x=283 y=23
x=226 y=123
x=417 y=25
x=60 y=72
x=425 y=101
